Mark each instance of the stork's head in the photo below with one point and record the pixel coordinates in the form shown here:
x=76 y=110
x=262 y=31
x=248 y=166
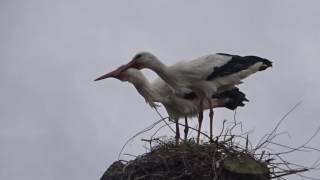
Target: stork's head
x=139 y=61
x=139 y=81
x=133 y=76
x=142 y=60
x=142 y=85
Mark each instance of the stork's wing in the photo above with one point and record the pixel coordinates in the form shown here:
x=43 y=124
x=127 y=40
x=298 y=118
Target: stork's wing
x=237 y=64
x=216 y=65
x=198 y=69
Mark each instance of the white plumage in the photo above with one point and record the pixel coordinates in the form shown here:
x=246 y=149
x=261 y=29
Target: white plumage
x=177 y=107
x=191 y=75
x=203 y=76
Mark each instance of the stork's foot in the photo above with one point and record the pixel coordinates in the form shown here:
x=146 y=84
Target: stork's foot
x=186 y=129
x=177 y=132
x=200 y=119
x=211 y=119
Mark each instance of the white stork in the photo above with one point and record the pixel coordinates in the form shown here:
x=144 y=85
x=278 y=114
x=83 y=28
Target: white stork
x=204 y=75
x=177 y=107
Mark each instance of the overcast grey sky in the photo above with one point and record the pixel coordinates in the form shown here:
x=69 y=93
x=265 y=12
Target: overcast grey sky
x=56 y=123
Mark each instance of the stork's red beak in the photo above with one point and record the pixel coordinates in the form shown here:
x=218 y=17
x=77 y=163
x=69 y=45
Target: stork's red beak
x=112 y=74
x=119 y=70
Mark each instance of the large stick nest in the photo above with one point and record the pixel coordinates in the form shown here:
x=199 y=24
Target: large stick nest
x=228 y=157
x=167 y=160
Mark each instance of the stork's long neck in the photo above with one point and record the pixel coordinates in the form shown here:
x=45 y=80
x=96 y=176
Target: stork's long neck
x=145 y=89
x=164 y=72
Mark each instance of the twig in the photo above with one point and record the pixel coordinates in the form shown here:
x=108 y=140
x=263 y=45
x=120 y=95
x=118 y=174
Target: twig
x=270 y=136
x=164 y=120
x=137 y=134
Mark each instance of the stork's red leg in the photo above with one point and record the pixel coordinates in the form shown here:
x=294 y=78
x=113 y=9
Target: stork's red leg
x=211 y=118
x=177 y=131
x=186 y=129
x=200 y=119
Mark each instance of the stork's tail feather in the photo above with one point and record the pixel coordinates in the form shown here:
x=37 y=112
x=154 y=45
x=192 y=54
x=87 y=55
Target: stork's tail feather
x=235 y=98
x=254 y=59
x=237 y=64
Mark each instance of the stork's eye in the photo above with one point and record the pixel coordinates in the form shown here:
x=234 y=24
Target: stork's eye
x=138 y=56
